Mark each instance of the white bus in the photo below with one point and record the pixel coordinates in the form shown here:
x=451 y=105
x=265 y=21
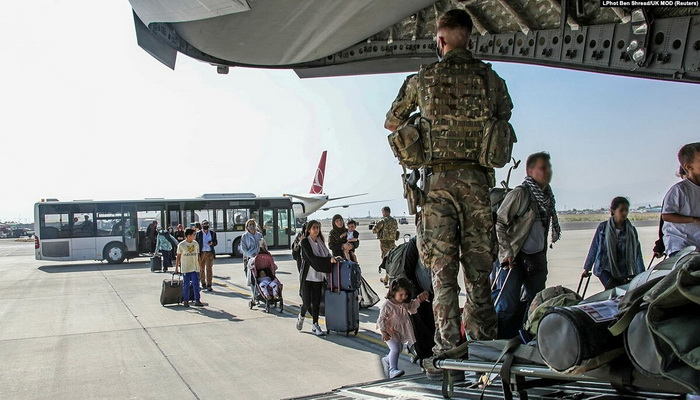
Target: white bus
x=116 y=230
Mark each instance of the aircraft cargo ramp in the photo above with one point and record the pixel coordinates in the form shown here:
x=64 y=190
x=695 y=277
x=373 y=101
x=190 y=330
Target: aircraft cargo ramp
x=528 y=382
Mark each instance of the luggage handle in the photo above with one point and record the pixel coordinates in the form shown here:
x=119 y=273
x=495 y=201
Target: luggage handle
x=585 y=288
x=172 y=278
x=500 y=292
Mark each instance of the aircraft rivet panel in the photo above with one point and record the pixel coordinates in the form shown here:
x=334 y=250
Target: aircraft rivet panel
x=667 y=43
x=548 y=45
x=692 y=53
x=574 y=44
x=524 y=45
x=621 y=39
x=599 y=44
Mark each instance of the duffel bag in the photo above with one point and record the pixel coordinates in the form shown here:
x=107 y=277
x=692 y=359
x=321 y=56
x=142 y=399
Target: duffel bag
x=576 y=339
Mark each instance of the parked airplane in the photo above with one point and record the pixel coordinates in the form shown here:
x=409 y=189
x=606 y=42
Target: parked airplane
x=316 y=199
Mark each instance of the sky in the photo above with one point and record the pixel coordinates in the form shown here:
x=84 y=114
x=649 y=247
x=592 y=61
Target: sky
x=87 y=114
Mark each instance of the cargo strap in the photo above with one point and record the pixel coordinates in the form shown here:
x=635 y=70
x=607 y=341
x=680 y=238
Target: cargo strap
x=638 y=296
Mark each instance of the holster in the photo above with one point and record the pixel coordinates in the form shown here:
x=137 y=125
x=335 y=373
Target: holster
x=412 y=192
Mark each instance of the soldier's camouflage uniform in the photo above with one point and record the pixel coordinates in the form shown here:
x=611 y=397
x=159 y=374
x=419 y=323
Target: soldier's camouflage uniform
x=386 y=230
x=455 y=223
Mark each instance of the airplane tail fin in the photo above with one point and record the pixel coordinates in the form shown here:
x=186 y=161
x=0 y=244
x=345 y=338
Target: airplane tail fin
x=317 y=185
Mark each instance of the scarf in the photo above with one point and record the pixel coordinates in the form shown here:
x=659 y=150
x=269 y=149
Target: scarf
x=626 y=267
x=546 y=205
x=319 y=248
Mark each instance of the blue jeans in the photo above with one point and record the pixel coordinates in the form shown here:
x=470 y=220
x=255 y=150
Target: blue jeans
x=191 y=280
x=531 y=272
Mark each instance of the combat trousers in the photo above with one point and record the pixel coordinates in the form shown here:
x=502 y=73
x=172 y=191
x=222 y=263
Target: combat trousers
x=456 y=227
x=206 y=263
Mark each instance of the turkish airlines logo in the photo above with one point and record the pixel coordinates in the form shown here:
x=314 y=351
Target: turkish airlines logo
x=317 y=187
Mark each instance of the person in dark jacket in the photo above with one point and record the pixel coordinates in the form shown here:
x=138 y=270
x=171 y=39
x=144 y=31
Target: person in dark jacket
x=316 y=263
x=337 y=237
x=615 y=254
x=296 y=246
x=206 y=239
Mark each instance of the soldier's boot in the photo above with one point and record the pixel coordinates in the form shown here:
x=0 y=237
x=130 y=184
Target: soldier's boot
x=433 y=373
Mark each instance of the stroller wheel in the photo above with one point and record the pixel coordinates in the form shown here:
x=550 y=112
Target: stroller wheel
x=280 y=305
x=251 y=303
x=267 y=306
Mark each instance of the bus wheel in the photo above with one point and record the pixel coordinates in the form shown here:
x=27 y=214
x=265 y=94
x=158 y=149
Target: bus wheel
x=234 y=251
x=114 y=253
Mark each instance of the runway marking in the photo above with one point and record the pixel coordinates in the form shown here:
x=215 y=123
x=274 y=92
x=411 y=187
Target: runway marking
x=362 y=336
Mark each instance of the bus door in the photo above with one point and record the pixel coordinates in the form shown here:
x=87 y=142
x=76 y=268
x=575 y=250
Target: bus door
x=131 y=228
x=268 y=227
x=83 y=233
x=276 y=227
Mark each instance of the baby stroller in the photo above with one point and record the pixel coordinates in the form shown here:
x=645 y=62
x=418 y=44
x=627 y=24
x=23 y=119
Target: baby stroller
x=267 y=292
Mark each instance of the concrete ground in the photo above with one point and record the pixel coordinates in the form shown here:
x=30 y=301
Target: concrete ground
x=98 y=331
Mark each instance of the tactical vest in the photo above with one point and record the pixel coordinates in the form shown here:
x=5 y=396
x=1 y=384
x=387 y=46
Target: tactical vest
x=454 y=98
x=389 y=229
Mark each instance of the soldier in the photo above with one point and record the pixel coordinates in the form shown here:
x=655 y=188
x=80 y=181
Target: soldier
x=386 y=231
x=457 y=95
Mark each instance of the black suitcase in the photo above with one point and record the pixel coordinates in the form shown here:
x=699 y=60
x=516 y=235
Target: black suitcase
x=171 y=291
x=156 y=263
x=342 y=311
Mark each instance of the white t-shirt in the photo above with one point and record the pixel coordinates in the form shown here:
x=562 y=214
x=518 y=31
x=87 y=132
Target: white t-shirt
x=351 y=235
x=683 y=198
x=189 y=256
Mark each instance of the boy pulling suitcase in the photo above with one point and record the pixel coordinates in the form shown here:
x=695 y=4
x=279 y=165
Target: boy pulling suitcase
x=188 y=261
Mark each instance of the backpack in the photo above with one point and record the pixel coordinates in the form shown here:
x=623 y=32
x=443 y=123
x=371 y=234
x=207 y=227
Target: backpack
x=497 y=195
x=403 y=262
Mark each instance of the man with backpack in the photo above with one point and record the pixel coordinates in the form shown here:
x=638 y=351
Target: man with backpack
x=523 y=222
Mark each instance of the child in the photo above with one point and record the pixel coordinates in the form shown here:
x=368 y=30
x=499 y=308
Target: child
x=615 y=250
x=353 y=241
x=188 y=261
x=266 y=284
x=394 y=323
x=681 y=209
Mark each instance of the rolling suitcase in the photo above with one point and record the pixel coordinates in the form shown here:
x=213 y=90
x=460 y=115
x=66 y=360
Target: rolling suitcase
x=342 y=311
x=346 y=275
x=171 y=291
x=156 y=263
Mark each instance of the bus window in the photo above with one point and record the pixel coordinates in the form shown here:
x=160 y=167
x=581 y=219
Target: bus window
x=145 y=218
x=54 y=226
x=235 y=219
x=218 y=224
x=109 y=224
x=83 y=220
x=201 y=215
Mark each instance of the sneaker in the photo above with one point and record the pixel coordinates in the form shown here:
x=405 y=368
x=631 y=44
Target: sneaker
x=300 y=322
x=385 y=366
x=395 y=373
x=316 y=330
x=186 y=304
x=198 y=304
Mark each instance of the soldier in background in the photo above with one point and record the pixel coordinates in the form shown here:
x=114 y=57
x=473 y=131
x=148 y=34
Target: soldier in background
x=457 y=94
x=386 y=230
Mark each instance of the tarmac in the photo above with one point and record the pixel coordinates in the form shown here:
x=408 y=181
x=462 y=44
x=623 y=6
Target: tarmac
x=97 y=331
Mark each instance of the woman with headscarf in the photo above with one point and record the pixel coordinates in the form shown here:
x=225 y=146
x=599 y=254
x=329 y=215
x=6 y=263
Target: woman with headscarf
x=250 y=242
x=316 y=263
x=615 y=253
x=338 y=235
